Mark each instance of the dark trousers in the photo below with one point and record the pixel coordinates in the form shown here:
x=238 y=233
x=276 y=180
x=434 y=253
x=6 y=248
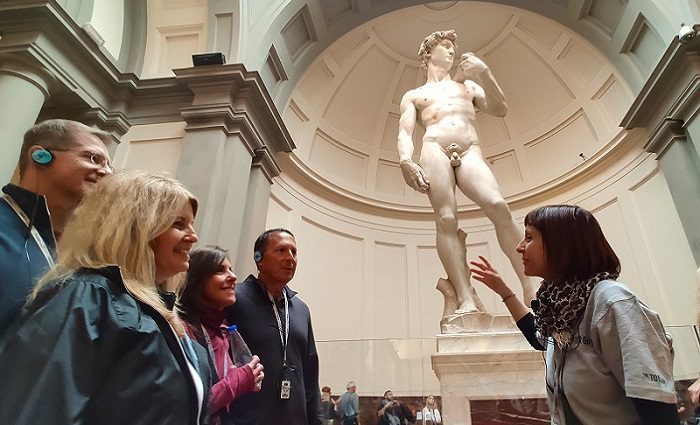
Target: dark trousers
x=349 y=420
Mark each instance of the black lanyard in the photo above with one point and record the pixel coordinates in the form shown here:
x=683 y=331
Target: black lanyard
x=284 y=336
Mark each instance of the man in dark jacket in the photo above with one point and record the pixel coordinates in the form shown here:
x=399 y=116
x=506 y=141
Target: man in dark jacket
x=59 y=162
x=276 y=325
x=393 y=412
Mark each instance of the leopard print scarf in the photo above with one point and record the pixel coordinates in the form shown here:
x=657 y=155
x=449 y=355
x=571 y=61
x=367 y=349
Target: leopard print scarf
x=559 y=306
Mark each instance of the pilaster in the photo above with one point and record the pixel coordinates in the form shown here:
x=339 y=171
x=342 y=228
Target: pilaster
x=263 y=169
x=667 y=107
x=232 y=136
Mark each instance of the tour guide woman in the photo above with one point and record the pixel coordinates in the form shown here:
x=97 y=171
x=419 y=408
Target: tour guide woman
x=98 y=343
x=609 y=360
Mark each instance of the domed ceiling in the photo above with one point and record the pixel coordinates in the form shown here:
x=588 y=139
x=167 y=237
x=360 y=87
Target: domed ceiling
x=565 y=102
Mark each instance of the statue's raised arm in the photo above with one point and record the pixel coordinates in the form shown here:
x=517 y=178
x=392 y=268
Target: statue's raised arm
x=475 y=74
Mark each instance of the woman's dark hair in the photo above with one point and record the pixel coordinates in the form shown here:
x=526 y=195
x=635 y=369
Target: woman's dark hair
x=573 y=241
x=326 y=389
x=204 y=263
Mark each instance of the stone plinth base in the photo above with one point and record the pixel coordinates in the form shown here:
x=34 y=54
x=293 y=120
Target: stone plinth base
x=476 y=322
x=485 y=364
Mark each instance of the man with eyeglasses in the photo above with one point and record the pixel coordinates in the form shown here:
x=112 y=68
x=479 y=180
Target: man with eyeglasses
x=59 y=162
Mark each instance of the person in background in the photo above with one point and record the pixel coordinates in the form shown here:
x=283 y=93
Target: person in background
x=393 y=412
x=60 y=161
x=99 y=342
x=328 y=406
x=608 y=360
x=429 y=415
x=276 y=324
x=209 y=289
x=349 y=405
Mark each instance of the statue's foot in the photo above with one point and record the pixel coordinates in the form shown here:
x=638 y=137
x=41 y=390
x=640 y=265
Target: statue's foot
x=472 y=304
x=468 y=306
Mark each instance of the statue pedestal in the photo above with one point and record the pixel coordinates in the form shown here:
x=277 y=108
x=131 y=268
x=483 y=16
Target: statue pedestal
x=491 y=362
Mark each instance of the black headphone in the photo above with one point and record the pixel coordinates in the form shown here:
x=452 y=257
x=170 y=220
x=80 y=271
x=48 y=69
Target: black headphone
x=257 y=256
x=42 y=156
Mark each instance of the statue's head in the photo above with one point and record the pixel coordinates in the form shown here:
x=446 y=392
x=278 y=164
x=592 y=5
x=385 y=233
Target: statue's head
x=432 y=40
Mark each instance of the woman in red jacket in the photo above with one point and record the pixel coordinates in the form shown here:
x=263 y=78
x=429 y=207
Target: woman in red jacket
x=208 y=291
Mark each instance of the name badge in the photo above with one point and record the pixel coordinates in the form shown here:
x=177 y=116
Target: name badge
x=286 y=389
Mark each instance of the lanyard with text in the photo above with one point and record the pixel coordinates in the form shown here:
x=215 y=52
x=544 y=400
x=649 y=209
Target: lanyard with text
x=210 y=349
x=35 y=233
x=284 y=337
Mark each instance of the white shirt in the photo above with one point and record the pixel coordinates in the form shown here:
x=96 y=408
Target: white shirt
x=428 y=414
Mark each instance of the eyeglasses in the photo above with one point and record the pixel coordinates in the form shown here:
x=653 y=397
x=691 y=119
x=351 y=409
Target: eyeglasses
x=94 y=157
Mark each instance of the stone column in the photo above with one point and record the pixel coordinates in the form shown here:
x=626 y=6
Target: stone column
x=24 y=90
x=215 y=164
x=680 y=163
x=233 y=132
x=257 y=200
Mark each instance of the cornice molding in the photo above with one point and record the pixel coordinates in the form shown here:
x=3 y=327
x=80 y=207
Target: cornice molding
x=678 y=59
x=222 y=116
x=246 y=93
x=667 y=132
x=113 y=122
x=265 y=161
x=42 y=36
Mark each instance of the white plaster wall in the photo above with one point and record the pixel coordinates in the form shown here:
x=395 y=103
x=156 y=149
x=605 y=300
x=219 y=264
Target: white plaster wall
x=153 y=147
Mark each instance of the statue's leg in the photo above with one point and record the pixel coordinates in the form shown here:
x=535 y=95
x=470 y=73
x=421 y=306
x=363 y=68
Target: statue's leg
x=479 y=184
x=450 y=249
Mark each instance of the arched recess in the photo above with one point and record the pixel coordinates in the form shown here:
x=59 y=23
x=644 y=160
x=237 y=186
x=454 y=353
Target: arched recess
x=79 y=10
x=133 y=47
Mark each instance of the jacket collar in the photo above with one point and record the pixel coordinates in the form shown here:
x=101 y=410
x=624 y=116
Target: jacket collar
x=263 y=292
x=111 y=272
x=33 y=203
x=212 y=318
x=114 y=273
x=169 y=298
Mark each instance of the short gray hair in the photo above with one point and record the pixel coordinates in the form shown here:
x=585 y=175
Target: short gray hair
x=56 y=133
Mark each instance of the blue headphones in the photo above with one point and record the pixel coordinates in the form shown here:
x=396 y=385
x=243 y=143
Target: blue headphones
x=257 y=256
x=42 y=156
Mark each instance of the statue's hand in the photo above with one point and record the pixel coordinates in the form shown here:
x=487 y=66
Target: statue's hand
x=470 y=67
x=414 y=176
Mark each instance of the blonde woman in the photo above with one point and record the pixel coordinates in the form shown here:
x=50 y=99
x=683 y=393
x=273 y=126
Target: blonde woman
x=98 y=342
x=429 y=415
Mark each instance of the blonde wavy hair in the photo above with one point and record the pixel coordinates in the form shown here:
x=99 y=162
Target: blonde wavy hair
x=115 y=225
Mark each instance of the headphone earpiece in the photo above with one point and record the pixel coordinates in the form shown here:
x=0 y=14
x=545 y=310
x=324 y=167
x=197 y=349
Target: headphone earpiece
x=257 y=256
x=42 y=156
